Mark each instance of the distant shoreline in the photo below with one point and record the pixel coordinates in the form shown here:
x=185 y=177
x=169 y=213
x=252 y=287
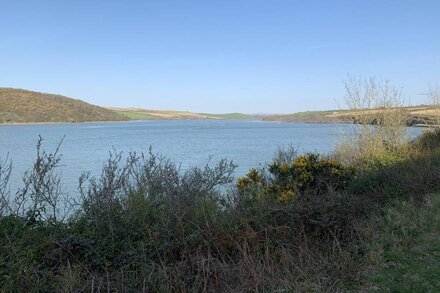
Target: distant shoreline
x=56 y=123
x=195 y=119
x=120 y=121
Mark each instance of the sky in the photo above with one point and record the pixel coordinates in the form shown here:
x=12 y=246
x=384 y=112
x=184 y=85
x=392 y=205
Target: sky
x=250 y=56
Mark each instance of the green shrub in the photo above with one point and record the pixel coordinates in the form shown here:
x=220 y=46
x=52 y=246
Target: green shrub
x=429 y=140
x=305 y=174
x=144 y=224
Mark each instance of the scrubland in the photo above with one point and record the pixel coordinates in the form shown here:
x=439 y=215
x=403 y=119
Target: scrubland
x=362 y=218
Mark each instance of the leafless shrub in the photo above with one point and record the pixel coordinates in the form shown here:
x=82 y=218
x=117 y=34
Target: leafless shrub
x=151 y=179
x=113 y=183
x=41 y=195
x=5 y=174
x=377 y=107
x=434 y=98
x=285 y=155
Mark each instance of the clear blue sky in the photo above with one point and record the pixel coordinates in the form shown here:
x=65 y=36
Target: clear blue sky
x=217 y=56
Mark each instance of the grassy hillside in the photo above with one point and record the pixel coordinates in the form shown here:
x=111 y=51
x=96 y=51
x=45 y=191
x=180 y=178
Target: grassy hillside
x=23 y=106
x=306 y=117
x=231 y=116
x=146 y=114
x=416 y=115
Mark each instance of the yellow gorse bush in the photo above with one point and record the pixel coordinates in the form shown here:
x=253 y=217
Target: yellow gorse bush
x=305 y=174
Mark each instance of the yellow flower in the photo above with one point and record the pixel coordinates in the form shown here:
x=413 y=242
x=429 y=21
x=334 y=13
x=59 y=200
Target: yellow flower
x=254 y=175
x=286 y=195
x=242 y=182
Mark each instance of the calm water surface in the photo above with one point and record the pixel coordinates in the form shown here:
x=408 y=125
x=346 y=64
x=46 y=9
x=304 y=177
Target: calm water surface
x=192 y=143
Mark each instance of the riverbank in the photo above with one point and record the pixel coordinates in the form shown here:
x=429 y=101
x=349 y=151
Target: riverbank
x=60 y=123
x=301 y=222
x=418 y=116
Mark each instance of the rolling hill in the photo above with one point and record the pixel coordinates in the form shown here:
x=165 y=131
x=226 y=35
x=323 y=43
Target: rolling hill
x=147 y=114
x=23 y=106
x=415 y=116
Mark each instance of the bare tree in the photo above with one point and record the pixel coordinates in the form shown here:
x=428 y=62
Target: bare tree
x=434 y=98
x=5 y=175
x=41 y=194
x=377 y=107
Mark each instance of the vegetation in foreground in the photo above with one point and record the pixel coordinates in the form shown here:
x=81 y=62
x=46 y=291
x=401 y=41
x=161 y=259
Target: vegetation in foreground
x=359 y=219
x=304 y=223
x=405 y=247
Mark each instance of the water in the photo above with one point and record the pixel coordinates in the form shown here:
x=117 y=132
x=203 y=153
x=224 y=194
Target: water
x=192 y=143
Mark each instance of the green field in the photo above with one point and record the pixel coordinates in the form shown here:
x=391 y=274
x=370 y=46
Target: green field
x=145 y=114
x=237 y=116
x=137 y=116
